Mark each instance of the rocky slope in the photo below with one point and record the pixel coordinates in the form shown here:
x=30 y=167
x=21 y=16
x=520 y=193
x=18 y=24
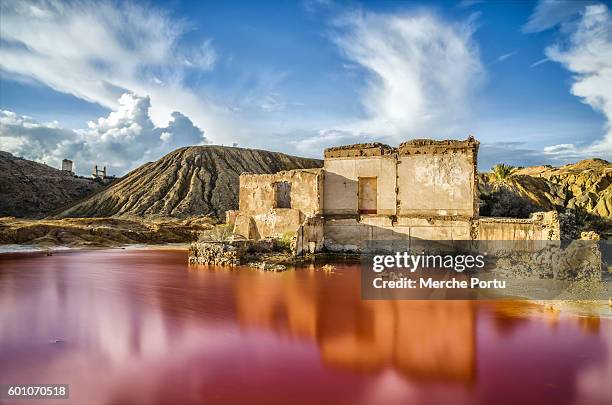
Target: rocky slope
x=582 y=190
x=32 y=190
x=196 y=180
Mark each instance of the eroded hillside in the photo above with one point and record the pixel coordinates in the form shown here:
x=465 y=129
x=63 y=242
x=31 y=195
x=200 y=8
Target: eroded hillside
x=191 y=181
x=33 y=190
x=583 y=190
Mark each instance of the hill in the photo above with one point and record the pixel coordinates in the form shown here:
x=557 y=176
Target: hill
x=190 y=181
x=32 y=190
x=583 y=191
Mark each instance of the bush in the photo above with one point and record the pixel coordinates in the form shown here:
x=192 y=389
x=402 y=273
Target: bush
x=219 y=233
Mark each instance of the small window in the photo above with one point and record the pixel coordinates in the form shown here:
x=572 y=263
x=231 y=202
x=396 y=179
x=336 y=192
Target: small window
x=367 y=195
x=282 y=192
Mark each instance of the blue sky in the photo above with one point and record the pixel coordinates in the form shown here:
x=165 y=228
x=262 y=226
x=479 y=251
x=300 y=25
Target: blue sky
x=121 y=83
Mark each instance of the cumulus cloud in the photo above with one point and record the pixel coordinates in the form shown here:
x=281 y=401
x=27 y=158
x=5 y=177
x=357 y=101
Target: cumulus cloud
x=123 y=140
x=420 y=71
x=587 y=53
x=97 y=51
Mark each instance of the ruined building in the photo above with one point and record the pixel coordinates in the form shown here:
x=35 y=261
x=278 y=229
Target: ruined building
x=67 y=166
x=99 y=174
x=423 y=189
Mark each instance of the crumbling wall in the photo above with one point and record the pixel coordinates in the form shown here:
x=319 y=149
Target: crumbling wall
x=437 y=178
x=539 y=226
x=422 y=178
x=309 y=238
x=275 y=222
x=343 y=168
x=259 y=216
x=257 y=191
x=352 y=234
x=230 y=217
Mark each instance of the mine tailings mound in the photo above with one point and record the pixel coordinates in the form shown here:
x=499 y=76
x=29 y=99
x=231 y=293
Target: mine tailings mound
x=191 y=181
x=32 y=190
x=582 y=189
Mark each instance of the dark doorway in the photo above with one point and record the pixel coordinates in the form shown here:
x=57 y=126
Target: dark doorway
x=367 y=195
x=282 y=192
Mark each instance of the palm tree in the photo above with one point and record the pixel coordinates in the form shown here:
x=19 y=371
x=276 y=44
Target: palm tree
x=502 y=172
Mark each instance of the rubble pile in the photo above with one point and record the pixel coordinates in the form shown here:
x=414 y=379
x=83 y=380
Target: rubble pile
x=216 y=253
x=579 y=261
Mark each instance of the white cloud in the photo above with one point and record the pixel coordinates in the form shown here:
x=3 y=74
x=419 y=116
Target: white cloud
x=468 y=3
x=588 y=55
x=504 y=57
x=273 y=103
x=549 y=13
x=420 y=72
x=97 y=51
x=539 y=62
x=123 y=140
x=314 y=145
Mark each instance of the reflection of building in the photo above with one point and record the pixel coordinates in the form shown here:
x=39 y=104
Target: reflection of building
x=423 y=189
x=429 y=340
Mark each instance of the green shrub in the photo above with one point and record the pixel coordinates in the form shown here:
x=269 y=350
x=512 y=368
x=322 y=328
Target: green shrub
x=219 y=233
x=502 y=172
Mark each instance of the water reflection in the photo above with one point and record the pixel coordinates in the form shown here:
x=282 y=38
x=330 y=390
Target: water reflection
x=143 y=327
x=427 y=340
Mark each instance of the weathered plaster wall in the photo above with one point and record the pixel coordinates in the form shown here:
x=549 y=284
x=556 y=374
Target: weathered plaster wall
x=259 y=218
x=437 y=178
x=310 y=236
x=257 y=191
x=419 y=178
x=341 y=183
x=352 y=234
x=540 y=226
x=274 y=222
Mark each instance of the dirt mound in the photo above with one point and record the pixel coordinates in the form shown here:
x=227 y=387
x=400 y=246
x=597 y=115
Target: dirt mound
x=585 y=188
x=33 y=190
x=191 y=181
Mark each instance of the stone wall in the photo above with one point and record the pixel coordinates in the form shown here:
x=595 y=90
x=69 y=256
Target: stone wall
x=342 y=183
x=310 y=236
x=350 y=234
x=421 y=178
x=259 y=217
x=539 y=226
x=257 y=191
x=344 y=166
x=437 y=178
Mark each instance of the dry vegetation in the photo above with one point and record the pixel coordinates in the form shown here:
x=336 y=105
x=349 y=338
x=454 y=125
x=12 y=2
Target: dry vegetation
x=581 y=191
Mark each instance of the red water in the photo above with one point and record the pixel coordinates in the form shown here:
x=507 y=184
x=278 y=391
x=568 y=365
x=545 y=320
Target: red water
x=141 y=326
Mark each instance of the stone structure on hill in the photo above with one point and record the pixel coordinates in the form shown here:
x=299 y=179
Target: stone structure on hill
x=67 y=166
x=99 y=173
x=423 y=189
